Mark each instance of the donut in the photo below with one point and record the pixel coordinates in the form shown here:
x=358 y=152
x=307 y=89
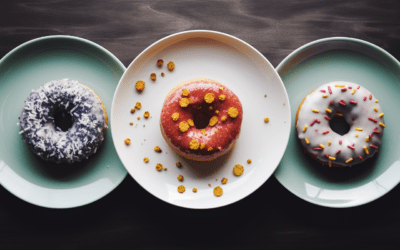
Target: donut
x=361 y=111
x=201 y=119
x=38 y=125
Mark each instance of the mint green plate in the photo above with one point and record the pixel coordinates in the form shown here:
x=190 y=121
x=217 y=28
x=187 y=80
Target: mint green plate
x=352 y=60
x=21 y=172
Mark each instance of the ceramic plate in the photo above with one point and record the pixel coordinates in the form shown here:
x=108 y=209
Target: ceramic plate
x=351 y=60
x=232 y=62
x=23 y=173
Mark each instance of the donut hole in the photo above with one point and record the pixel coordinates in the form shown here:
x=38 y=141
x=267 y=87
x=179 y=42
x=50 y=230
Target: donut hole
x=201 y=118
x=63 y=120
x=339 y=125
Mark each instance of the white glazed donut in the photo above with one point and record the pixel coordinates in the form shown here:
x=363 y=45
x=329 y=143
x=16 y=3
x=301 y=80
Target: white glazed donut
x=360 y=110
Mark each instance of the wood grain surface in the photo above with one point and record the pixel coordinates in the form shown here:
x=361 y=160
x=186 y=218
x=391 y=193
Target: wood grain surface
x=271 y=217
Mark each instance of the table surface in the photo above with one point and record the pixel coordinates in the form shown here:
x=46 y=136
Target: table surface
x=271 y=217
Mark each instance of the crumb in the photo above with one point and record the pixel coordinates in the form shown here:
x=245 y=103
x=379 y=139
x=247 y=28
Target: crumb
x=171 y=66
x=178 y=164
x=146 y=114
x=184 y=102
x=215 y=131
x=185 y=92
x=216 y=179
x=209 y=184
x=183 y=126
x=203 y=131
x=213 y=121
x=140 y=85
x=175 y=116
x=133 y=111
x=162 y=74
x=238 y=170
x=159 y=167
x=194 y=144
x=221 y=88
x=144 y=139
x=210 y=149
x=146 y=160
x=180 y=178
x=194 y=190
x=265 y=95
x=218 y=191
x=153 y=76
x=283 y=104
x=266 y=119
x=222 y=97
x=202 y=145
x=223 y=118
x=209 y=97
x=157 y=149
x=127 y=141
x=138 y=117
x=249 y=161
x=224 y=180
x=144 y=125
x=131 y=123
x=165 y=169
x=216 y=111
x=233 y=112
x=210 y=108
x=181 y=189
x=138 y=105
x=160 y=63
x=191 y=123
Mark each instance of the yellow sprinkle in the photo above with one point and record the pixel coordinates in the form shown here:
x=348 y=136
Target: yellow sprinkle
x=175 y=116
x=329 y=143
x=305 y=128
x=359 y=129
x=324 y=96
x=213 y=121
x=354 y=91
x=349 y=160
x=376 y=110
x=339 y=114
x=367 y=139
x=330 y=164
x=321 y=146
x=332 y=158
x=376 y=100
x=339 y=85
x=329 y=111
x=382 y=125
x=380 y=116
x=366 y=150
x=356 y=135
x=307 y=141
x=315 y=110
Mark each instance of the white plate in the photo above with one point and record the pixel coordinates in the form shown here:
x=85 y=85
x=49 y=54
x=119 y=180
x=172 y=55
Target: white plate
x=233 y=63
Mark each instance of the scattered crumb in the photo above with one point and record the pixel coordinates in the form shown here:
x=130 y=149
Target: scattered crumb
x=209 y=97
x=165 y=169
x=157 y=149
x=185 y=92
x=171 y=66
x=266 y=119
x=210 y=149
x=133 y=111
x=146 y=114
x=191 y=123
x=194 y=190
x=216 y=179
x=160 y=63
x=181 y=189
x=283 y=104
x=215 y=131
x=238 y=170
x=127 y=141
x=209 y=184
x=202 y=145
x=222 y=97
x=223 y=118
x=162 y=74
x=140 y=85
x=216 y=111
x=175 y=116
x=233 y=112
x=224 y=180
x=144 y=139
x=144 y=125
x=180 y=178
x=131 y=123
x=153 y=76
x=221 y=88
x=210 y=108
x=146 y=160
x=203 y=131
x=184 y=102
x=218 y=191
x=194 y=144
x=159 y=167
x=265 y=95
x=138 y=105
x=178 y=164
x=138 y=117
x=248 y=161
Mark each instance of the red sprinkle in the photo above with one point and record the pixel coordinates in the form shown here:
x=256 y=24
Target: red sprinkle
x=377 y=131
x=316 y=130
x=344 y=89
x=372 y=119
x=325 y=132
x=373 y=146
x=342 y=103
x=353 y=102
x=370 y=136
x=353 y=144
x=317 y=149
x=370 y=96
x=323 y=91
x=350 y=87
x=313 y=121
x=338 y=151
x=361 y=158
x=352 y=147
x=327 y=156
x=376 y=128
x=365 y=98
x=330 y=103
x=358 y=87
x=330 y=90
x=340 y=142
x=327 y=118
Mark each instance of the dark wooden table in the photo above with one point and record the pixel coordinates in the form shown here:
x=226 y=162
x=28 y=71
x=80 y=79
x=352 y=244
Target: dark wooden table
x=271 y=217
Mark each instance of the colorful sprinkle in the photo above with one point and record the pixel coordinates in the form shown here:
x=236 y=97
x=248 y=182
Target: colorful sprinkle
x=332 y=158
x=367 y=139
x=327 y=118
x=354 y=91
x=376 y=110
x=372 y=119
x=340 y=142
x=325 y=132
x=330 y=90
x=314 y=121
x=325 y=96
x=315 y=110
x=356 y=135
x=329 y=143
x=338 y=114
x=358 y=87
x=366 y=150
x=359 y=129
x=376 y=101
x=339 y=85
x=350 y=146
x=380 y=116
x=344 y=89
x=329 y=111
x=342 y=102
x=307 y=141
x=373 y=146
x=330 y=164
x=323 y=91
x=330 y=103
x=337 y=152
x=376 y=131
x=365 y=98
x=382 y=125
x=349 y=160
x=327 y=156
x=350 y=87
x=370 y=136
x=305 y=128
x=317 y=149
x=352 y=101
x=370 y=96
x=361 y=158
x=321 y=146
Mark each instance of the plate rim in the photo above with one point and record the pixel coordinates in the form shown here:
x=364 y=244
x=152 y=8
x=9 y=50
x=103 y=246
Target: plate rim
x=231 y=37
x=300 y=50
x=118 y=63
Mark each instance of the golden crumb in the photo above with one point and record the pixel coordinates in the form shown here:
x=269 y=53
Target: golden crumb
x=233 y=112
x=223 y=118
x=127 y=141
x=138 y=117
x=183 y=126
x=265 y=95
x=203 y=131
x=171 y=66
x=181 y=189
x=194 y=144
x=249 y=161
x=209 y=97
x=131 y=123
x=157 y=149
x=138 y=105
x=218 y=191
x=217 y=112
x=213 y=121
x=146 y=160
x=215 y=131
x=194 y=190
x=283 y=104
x=160 y=63
x=203 y=145
x=180 y=178
x=175 y=116
x=210 y=149
x=224 y=180
x=210 y=108
x=238 y=170
x=144 y=125
x=209 y=184
x=185 y=92
x=133 y=111
x=162 y=74
x=191 y=123
x=140 y=85
x=165 y=169
x=184 y=102
x=266 y=119
x=159 y=167
x=153 y=76
x=222 y=97
x=178 y=164
x=146 y=114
